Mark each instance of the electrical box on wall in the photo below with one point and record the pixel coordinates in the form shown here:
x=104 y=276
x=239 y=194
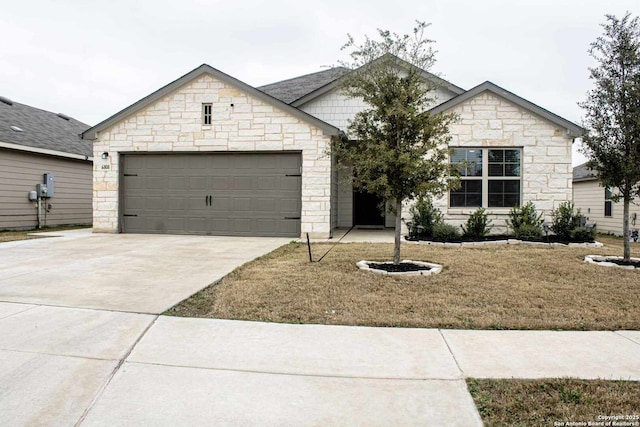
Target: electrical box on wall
x=41 y=190
x=49 y=181
x=33 y=196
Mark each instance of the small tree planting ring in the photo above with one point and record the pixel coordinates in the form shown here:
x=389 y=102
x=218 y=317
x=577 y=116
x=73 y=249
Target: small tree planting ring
x=613 y=261
x=406 y=267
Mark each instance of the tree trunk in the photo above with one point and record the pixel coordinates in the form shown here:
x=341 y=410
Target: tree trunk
x=396 y=248
x=625 y=229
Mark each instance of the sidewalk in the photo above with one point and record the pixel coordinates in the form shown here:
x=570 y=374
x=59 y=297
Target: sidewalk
x=64 y=365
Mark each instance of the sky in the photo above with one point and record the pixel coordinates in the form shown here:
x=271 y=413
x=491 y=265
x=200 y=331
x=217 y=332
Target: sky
x=90 y=59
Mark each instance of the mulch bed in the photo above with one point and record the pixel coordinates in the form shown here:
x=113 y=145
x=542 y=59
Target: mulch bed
x=403 y=267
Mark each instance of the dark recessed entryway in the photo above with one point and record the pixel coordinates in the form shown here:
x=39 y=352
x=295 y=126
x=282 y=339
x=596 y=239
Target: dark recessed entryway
x=226 y=194
x=366 y=209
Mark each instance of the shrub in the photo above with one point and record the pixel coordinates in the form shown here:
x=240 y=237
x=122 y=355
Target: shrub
x=525 y=221
x=423 y=217
x=565 y=220
x=582 y=234
x=528 y=232
x=445 y=232
x=478 y=224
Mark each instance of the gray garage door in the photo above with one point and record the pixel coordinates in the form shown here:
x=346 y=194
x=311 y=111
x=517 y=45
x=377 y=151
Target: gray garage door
x=227 y=194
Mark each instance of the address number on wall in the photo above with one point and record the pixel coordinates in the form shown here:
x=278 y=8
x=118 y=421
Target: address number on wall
x=105 y=167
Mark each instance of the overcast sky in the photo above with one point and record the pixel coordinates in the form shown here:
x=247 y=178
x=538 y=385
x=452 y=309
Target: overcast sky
x=91 y=58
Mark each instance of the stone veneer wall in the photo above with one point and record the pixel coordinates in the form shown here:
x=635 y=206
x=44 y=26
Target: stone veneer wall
x=337 y=109
x=488 y=120
x=174 y=124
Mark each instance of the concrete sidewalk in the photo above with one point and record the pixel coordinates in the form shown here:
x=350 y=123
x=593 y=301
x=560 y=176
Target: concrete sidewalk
x=66 y=366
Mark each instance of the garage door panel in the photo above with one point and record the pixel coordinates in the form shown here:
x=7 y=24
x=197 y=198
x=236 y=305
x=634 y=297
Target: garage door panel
x=154 y=203
x=266 y=205
x=241 y=225
x=176 y=183
x=220 y=204
x=155 y=183
x=240 y=183
x=241 y=204
x=176 y=203
x=290 y=183
x=242 y=194
x=220 y=183
x=198 y=183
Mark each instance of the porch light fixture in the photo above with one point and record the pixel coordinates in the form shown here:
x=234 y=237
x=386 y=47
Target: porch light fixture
x=105 y=155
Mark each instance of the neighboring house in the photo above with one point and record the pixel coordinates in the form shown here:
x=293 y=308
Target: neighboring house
x=595 y=203
x=34 y=142
x=209 y=154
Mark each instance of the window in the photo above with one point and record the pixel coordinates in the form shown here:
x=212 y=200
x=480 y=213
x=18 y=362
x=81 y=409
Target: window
x=206 y=114
x=489 y=178
x=608 y=203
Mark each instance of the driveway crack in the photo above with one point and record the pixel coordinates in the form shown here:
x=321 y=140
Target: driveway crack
x=115 y=370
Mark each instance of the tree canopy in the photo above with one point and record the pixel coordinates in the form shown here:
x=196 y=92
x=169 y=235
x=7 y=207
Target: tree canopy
x=397 y=149
x=612 y=112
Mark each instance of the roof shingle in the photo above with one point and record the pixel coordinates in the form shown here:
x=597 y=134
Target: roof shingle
x=293 y=89
x=42 y=129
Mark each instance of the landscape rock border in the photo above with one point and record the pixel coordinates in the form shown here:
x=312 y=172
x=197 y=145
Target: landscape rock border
x=507 y=242
x=433 y=268
x=602 y=260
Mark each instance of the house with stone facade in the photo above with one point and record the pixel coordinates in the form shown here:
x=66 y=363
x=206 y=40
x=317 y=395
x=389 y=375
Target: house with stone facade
x=209 y=154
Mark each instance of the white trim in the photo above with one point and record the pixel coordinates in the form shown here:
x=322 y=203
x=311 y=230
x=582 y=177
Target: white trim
x=37 y=150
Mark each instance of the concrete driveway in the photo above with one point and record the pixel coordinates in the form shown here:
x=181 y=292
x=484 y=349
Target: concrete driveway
x=122 y=272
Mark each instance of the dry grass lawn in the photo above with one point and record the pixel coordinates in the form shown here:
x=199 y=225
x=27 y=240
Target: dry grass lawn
x=491 y=287
x=545 y=402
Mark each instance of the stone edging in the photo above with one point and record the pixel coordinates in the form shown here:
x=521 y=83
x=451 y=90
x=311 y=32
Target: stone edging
x=435 y=268
x=601 y=260
x=507 y=242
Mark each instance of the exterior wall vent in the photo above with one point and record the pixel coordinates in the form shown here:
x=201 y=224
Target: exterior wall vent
x=6 y=100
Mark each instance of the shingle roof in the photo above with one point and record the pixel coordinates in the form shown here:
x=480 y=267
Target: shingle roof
x=293 y=89
x=42 y=129
x=583 y=173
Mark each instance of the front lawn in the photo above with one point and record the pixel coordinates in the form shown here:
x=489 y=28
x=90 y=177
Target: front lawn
x=490 y=287
x=559 y=402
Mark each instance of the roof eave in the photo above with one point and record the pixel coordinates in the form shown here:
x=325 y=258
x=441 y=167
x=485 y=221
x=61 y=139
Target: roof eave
x=572 y=129
x=334 y=84
x=91 y=134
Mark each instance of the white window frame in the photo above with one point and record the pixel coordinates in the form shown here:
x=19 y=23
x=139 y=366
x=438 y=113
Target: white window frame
x=486 y=178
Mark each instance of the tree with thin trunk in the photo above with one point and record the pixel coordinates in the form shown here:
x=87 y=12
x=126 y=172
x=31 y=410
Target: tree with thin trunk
x=612 y=123
x=396 y=148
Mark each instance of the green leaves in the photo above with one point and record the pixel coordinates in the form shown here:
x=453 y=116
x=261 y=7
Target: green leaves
x=397 y=149
x=612 y=110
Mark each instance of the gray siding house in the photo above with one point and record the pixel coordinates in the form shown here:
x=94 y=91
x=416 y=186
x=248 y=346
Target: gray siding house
x=34 y=142
x=209 y=154
x=594 y=201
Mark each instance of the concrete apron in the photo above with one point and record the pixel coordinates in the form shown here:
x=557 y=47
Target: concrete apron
x=123 y=272
x=66 y=366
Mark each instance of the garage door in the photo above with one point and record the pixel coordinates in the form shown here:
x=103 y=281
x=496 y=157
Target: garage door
x=227 y=194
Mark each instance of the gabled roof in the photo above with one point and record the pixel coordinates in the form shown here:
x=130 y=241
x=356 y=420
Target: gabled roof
x=301 y=90
x=572 y=128
x=293 y=89
x=219 y=75
x=583 y=173
x=40 y=130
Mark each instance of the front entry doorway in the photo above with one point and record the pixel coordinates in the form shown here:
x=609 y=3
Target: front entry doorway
x=366 y=211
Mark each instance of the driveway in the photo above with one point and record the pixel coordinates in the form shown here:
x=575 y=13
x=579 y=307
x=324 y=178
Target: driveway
x=121 y=272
